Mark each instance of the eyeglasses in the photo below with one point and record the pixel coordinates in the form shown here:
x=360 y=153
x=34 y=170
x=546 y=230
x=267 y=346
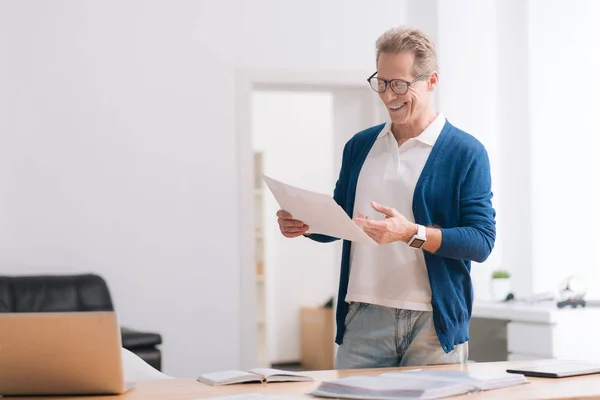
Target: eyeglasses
x=398 y=85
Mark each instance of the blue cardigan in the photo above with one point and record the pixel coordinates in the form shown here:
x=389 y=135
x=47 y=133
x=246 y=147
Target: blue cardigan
x=453 y=194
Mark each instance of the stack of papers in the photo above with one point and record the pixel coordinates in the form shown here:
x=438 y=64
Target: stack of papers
x=479 y=380
x=425 y=384
x=386 y=388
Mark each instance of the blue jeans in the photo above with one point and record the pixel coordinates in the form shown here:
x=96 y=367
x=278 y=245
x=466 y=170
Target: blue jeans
x=377 y=336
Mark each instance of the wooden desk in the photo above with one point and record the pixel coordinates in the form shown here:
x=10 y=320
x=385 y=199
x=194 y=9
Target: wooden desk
x=583 y=387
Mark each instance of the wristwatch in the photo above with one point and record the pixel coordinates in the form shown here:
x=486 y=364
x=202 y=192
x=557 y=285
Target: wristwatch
x=418 y=239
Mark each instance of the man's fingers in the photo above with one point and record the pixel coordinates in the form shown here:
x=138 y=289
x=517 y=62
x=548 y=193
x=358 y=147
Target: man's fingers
x=370 y=224
x=388 y=211
x=288 y=226
x=360 y=220
x=283 y=214
x=296 y=229
x=290 y=223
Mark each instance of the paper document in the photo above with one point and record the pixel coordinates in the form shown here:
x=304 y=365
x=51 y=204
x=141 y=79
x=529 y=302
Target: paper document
x=319 y=211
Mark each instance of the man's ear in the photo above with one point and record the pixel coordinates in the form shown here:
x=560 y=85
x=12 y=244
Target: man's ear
x=432 y=81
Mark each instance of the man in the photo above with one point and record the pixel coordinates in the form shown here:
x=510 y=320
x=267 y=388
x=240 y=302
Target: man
x=421 y=188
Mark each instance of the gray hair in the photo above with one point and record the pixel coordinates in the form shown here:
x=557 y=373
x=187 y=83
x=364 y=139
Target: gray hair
x=415 y=41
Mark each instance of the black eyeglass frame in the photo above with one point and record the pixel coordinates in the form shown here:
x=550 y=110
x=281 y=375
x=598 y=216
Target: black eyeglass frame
x=386 y=83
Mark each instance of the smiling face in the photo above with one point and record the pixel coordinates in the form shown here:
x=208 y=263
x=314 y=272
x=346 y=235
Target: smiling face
x=409 y=108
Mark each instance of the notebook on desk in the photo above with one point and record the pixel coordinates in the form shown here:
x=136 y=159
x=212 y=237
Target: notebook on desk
x=257 y=375
x=561 y=370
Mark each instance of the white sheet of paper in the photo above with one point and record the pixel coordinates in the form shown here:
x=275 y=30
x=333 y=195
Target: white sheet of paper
x=319 y=211
x=136 y=370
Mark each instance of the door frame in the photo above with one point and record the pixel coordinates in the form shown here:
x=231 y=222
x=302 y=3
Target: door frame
x=246 y=81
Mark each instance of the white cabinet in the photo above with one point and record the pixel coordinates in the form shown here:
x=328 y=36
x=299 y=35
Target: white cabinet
x=519 y=337
x=535 y=331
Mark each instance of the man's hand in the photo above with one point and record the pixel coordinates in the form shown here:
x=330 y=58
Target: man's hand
x=392 y=228
x=289 y=227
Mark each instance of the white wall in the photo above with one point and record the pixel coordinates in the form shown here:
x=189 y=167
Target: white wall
x=468 y=96
x=111 y=163
x=514 y=141
x=564 y=57
x=119 y=152
x=314 y=34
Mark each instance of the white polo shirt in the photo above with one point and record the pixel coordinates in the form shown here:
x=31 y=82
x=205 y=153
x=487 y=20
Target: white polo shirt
x=391 y=275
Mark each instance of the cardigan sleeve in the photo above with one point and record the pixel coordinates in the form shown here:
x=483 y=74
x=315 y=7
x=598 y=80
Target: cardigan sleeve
x=339 y=193
x=475 y=237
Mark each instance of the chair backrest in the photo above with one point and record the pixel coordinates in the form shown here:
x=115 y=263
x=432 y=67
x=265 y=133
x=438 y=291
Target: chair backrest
x=54 y=293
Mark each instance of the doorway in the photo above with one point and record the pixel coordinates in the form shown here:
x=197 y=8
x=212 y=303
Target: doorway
x=291 y=126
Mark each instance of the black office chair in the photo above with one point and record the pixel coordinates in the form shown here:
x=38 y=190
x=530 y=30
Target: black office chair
x=67 y=293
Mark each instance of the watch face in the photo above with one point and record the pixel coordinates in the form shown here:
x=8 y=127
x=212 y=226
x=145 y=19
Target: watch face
x=417 y=243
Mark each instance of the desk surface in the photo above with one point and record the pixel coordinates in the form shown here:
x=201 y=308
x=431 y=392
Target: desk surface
x=583 y=387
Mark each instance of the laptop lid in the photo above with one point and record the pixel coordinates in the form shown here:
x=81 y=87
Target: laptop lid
x=559 y=370
x=60 y=354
